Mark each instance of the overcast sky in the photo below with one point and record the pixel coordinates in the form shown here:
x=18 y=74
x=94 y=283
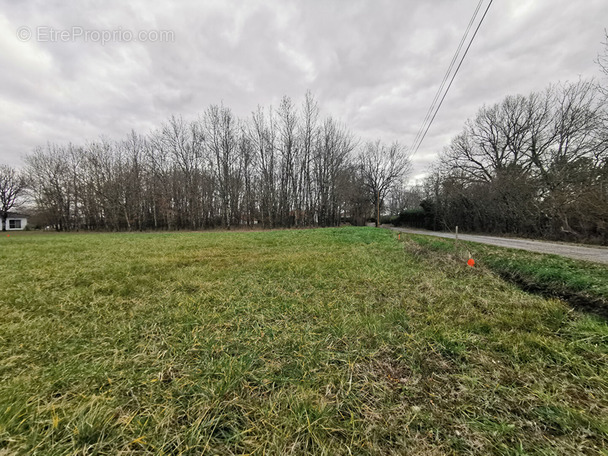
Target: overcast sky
x=374 y=65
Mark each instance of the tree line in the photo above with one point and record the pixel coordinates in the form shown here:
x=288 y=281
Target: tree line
x=283 y=167
x=533 y=165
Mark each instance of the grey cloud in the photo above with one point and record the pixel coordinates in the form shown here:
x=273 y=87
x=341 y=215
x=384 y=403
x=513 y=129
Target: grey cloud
x=374 y=65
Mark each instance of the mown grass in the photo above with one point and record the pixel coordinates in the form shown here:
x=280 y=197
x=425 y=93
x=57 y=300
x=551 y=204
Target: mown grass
x=584 y=284
x=331 y=341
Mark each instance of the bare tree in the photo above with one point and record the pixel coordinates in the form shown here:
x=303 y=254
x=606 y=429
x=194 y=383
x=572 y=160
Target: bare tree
x=330 y=160
x=221 y=130
x=534 y=165
x=283 y=167
x=263 y=137
x=381 y=168
x=403 y=198
x=308 y=133
x=51 y=185
x=290 y=209
x=12 y=185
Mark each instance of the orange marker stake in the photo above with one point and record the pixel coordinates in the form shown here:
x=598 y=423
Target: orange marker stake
x=399 y=236
x=471 y=262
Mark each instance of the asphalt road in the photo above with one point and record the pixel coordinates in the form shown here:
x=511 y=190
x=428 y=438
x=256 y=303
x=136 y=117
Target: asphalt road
x=578 y=252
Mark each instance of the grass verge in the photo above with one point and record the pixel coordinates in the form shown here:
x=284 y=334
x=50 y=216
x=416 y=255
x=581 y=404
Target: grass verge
x=581 y=283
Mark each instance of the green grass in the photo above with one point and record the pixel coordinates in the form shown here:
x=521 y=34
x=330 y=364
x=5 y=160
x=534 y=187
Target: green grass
x=584 y=284
x=330 y=341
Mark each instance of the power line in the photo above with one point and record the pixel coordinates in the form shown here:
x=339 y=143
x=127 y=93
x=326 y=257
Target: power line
x=453 y=77
x=447 y=73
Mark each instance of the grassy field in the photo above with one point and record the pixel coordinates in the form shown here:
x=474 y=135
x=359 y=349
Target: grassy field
x=330 y=341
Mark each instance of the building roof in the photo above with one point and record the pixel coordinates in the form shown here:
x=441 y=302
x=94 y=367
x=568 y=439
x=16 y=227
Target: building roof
x=16 y=215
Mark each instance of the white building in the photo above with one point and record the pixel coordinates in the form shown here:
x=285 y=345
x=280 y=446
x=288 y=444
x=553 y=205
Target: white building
x=15 y=221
